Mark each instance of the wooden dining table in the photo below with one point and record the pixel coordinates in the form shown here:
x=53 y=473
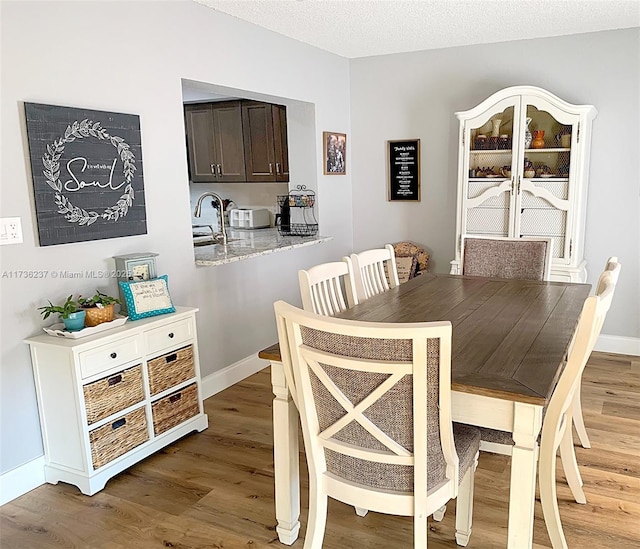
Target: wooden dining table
x=509 y=343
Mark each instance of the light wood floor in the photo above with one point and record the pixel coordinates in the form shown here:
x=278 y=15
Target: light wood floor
x=215 y=489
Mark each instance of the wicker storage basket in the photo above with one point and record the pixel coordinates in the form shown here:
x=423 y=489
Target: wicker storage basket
x=96 y=315
x=118 y=437
x=113 y=393
x=171 y=369
x=175 y=409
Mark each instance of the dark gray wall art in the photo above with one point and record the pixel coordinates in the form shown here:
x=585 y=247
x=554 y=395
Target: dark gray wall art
x=87 y=173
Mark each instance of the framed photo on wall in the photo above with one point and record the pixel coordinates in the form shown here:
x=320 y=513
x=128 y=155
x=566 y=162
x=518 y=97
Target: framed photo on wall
x=335 y=153
x=403 y=160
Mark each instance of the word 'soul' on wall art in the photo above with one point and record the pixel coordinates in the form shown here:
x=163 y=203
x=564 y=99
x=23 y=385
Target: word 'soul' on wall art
x=87 y=173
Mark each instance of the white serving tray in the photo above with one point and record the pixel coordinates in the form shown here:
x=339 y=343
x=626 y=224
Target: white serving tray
x=57 y=330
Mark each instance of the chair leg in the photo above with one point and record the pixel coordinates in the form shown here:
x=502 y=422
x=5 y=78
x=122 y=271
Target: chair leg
x=464 y=506
x=570 y=466
x=317 y=517
x=420 y=531
x=361 y=511
x=438 y=515
x=578 y=419
x=549 y=499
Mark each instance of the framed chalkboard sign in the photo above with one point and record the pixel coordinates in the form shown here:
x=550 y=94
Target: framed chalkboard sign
x=87 y=173
x=404 y=170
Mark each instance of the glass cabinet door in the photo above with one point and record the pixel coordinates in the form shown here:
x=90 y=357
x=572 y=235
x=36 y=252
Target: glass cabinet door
x=543 y=192
x=489 y=202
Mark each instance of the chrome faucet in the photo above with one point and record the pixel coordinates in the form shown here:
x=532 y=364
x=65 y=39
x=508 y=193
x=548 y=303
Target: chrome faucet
x=198 y=211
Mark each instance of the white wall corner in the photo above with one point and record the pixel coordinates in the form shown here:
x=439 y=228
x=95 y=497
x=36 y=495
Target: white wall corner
x=21 y=480
x=225 y=378
x=619 y=345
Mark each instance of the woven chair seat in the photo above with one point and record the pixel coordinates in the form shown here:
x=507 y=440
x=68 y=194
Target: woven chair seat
x=467 y=441
x=496 y=436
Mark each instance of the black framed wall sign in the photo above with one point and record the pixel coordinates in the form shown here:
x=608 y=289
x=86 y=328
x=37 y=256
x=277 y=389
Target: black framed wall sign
x=404 y=170
x=87 y=173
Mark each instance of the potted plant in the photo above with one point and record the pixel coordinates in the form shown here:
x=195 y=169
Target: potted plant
x=99 y=308
x=72 y=315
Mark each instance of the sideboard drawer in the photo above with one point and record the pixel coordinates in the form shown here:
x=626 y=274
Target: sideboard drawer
x=175 y=408
x=109 y=356
x=169 y=335
x=170 y=369
x=113 y=393
x=118 y=437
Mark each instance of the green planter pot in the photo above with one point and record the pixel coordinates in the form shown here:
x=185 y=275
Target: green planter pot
x=75 y=321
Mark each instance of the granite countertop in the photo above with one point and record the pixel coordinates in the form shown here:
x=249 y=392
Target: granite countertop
x=244 y=244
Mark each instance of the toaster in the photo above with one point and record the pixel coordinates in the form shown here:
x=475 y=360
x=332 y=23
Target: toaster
x=241 y=218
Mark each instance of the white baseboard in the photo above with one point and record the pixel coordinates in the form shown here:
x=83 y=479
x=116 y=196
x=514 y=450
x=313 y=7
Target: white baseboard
x=618 y=344
x=21 y=480
x=225 y=378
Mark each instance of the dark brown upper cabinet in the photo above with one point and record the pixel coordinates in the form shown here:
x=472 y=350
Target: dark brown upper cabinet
x=265 y=141
x=214 y=142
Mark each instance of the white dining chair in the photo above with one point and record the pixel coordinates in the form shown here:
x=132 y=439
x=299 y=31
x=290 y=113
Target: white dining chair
x=326 y=289
x=526 y=258
x=612 y=266
x=556 y=427
x=558 y=416
x=375 y=408
x=373 y=271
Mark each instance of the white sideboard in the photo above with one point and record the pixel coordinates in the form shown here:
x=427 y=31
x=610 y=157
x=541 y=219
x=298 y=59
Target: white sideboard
x=108 y=400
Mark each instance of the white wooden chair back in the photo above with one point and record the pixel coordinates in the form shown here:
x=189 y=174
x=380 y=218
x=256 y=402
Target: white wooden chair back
x=375 y=407
x=326 y=289
x=556 y=428
x=526 y=258
x=613 y=267
x=373 y=271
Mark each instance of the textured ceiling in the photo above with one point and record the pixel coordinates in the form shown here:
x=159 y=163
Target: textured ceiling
x=360 y=28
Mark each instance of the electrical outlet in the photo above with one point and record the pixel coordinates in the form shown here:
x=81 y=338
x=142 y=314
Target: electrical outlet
x=10 y=230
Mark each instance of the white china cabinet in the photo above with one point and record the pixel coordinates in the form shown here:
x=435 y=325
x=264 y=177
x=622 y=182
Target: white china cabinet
x=523 y=167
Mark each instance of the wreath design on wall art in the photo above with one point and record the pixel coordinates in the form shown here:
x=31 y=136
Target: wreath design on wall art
x=51 y=162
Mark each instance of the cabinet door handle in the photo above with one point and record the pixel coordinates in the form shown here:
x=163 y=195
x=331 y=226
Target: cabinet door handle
x=519 y=181
x=213 y=169
x=114 y=380
x=113 y=355
x=171 y=335
x=219 y=170
x=270 y=168
x=278 y=167
x=117 y=424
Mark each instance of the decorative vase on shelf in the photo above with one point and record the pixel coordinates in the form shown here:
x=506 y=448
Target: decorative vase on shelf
x=538 y=139
x=495 y=133
x=527 y=134
x=496 y=127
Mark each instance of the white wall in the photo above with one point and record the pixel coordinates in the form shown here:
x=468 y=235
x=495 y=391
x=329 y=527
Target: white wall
x=130 y=57
x=415 y=95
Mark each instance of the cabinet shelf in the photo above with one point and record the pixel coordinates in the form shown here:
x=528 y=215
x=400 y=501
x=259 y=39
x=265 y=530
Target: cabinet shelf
x=552 y=150
x=491 y=151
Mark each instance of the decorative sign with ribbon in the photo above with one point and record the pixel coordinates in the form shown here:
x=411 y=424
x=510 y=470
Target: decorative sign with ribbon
x=87 y=173
x=404 y=170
